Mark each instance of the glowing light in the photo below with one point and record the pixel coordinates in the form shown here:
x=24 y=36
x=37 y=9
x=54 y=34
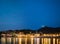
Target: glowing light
x=3 y=41
x=31 y=40
x=20 y=40
x=9 y=40
x=57 y=41
x=25 y=40
x=42 y=40
x=14 y=40
x=53 y=40
x=38 y=41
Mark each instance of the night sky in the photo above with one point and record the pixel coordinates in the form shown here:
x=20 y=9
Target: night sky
x=29 y=14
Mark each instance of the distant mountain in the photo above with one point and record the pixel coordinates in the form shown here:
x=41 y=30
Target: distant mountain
x=44 y=29
x=49 y=30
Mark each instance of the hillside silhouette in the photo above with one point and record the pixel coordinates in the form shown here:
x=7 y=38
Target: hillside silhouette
x=43 y=30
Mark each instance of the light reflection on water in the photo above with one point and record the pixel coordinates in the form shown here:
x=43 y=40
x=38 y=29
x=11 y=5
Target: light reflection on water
x=12 y=40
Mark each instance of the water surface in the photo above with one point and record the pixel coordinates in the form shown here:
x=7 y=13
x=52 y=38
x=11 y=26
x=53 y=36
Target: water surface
x=14 y=40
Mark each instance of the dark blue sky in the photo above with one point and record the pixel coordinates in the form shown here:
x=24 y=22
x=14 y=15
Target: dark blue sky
x=29 y=14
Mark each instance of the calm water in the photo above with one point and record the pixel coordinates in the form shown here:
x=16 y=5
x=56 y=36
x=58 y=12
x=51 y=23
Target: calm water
x=11 y=40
